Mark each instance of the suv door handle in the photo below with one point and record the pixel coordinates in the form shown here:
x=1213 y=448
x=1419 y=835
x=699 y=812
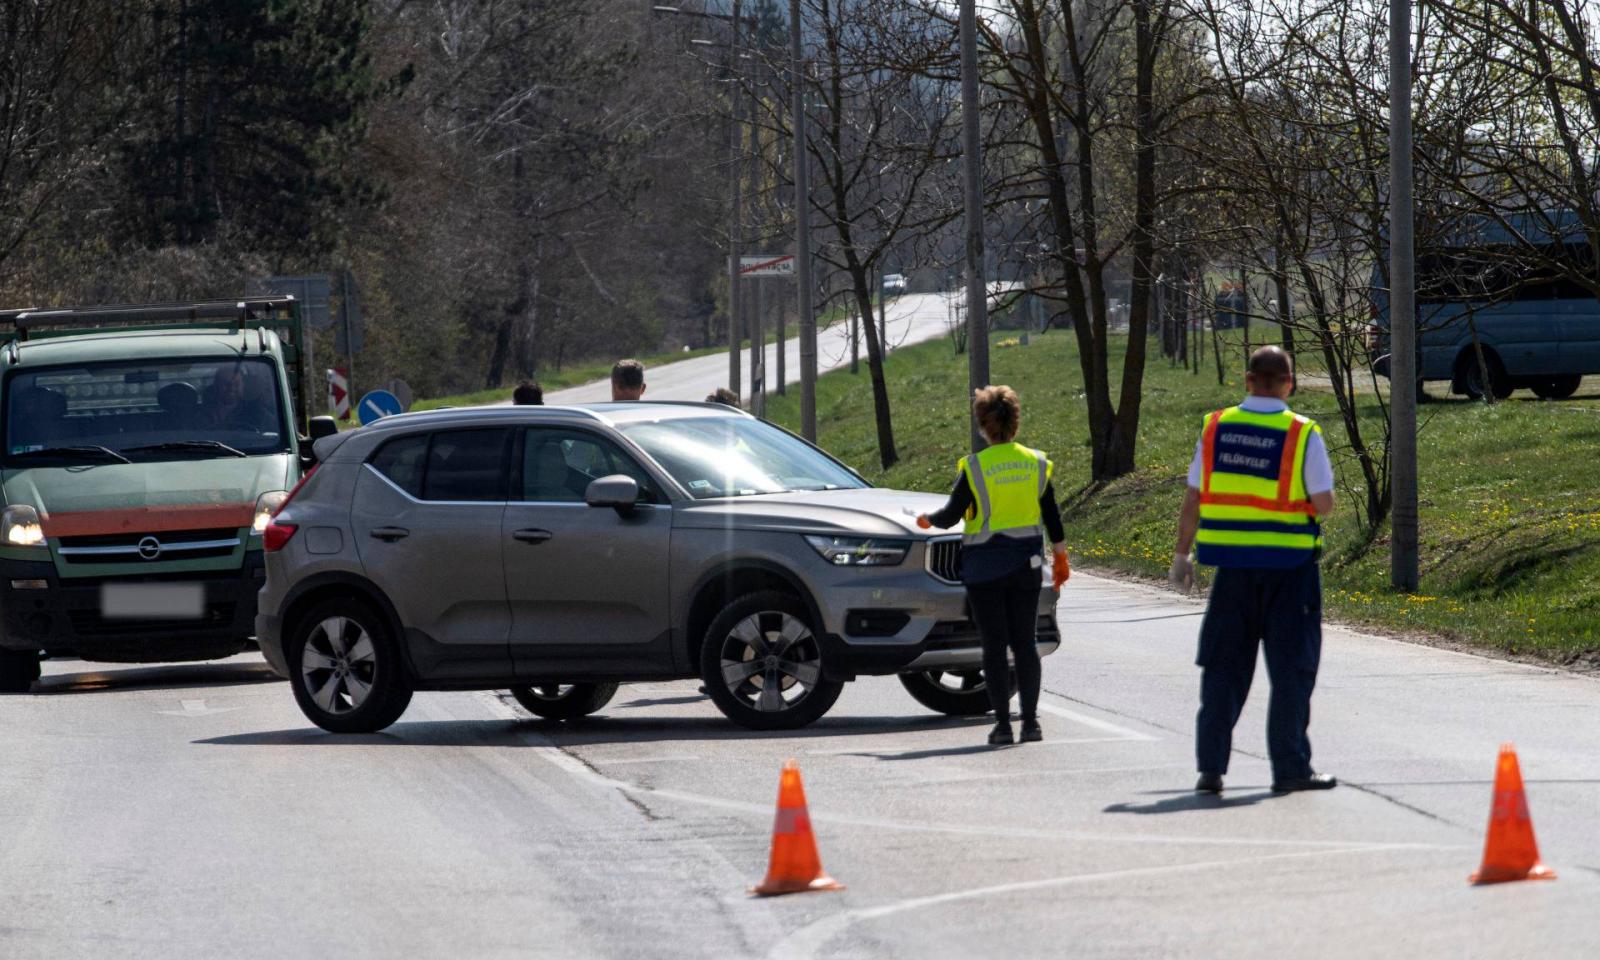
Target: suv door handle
x=532 y=536
x=390 y=534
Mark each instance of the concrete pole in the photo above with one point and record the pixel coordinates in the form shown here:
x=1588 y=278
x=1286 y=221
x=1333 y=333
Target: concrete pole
x=758 y=354
x=802 y=230
x=1403 y=561
x=972 y=162
x=736 y=224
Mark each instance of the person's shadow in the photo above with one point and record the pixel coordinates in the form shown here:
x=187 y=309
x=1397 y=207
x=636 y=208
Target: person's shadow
x=1186 y=800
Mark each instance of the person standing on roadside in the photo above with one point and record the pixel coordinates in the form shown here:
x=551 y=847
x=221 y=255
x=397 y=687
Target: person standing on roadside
x=627 y=380
x=1259 y=485
x=528 y=394
x=1004 y=495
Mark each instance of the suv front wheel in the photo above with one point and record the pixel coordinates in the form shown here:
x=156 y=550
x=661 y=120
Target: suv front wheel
x=564 y=701
x=762 y=663
x=344 y=666
x=959 y=693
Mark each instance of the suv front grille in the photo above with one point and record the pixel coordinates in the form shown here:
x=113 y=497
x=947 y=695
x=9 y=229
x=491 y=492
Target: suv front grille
x=173 y=545
x=944 y=559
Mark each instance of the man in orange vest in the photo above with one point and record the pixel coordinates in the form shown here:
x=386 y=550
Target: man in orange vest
x=1259 y=486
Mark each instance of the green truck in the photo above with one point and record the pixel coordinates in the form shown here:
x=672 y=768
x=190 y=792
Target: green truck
x=142 y=450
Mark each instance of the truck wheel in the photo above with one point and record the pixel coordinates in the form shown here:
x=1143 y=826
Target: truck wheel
x=962 y=693
x=762 y=663
x=1472 y=383
x=1556 y=388
x=564 y=701
x=18 y=670
x=344 y=666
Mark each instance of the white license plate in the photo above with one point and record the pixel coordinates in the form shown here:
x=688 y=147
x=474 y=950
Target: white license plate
x=152 y=601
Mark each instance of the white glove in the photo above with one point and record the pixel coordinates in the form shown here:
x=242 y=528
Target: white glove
x=1181 y=573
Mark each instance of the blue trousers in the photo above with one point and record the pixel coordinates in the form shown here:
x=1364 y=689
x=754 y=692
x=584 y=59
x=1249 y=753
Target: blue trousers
x=1281 y=612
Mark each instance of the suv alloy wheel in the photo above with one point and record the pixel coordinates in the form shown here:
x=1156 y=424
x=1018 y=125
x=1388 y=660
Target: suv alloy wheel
x=345 y=668
x=963 y=693
x=762 y=663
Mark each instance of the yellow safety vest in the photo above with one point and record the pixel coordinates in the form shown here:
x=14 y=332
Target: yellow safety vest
x=1254 y=511
x=1007 y=480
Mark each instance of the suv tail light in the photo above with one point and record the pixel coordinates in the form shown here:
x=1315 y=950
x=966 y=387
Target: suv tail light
x=277 y=532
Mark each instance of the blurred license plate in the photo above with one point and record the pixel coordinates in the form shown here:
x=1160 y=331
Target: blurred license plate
x=152 y=601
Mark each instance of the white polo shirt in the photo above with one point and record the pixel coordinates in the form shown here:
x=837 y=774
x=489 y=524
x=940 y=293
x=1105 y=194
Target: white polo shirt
x=1318 y=468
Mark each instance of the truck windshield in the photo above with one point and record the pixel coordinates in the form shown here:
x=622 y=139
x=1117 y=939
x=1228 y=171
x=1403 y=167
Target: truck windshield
x=144 y=410
x=736 y=456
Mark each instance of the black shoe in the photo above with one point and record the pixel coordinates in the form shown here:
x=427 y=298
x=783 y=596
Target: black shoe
x=1317 y=781
x=1031 y=732
x=1208 y=783
x=1000 y=736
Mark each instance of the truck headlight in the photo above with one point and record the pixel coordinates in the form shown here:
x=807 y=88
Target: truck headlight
x=266 y=505
x=860 y=551
x=19 y=526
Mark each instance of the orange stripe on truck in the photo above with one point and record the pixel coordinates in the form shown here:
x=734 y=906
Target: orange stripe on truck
x=92 y=523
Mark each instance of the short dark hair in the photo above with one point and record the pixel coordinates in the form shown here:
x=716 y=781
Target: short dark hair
x=528 y=394
x=1270 y=366
x=628 y=374
x=998 y=411
x=723 y=395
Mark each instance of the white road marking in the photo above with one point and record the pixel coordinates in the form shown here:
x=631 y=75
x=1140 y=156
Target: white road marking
x=547 y=749
x=664 y=758
x=195 y=708
x=808 y=941
x=1123 y=733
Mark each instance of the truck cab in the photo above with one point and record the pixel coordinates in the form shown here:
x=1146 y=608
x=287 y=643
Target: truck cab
x=142 y=450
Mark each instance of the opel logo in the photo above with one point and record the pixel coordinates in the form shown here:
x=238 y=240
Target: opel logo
x=150 y=548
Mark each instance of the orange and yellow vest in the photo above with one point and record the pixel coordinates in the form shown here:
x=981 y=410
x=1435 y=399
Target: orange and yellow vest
x=1254 y=510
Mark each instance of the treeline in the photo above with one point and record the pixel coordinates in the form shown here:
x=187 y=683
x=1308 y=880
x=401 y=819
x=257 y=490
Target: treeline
x=515 y=184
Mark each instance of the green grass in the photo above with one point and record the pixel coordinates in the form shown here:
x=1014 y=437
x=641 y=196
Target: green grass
x=1510 y=494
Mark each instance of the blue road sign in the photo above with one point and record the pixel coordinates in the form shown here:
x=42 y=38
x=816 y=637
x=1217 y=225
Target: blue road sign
x=377 y=405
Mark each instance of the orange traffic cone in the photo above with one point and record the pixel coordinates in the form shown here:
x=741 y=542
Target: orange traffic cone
x=795 y=867
x=1510 y=852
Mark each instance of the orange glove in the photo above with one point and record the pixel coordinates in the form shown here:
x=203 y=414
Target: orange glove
x=1060 y=568
x=924 y=522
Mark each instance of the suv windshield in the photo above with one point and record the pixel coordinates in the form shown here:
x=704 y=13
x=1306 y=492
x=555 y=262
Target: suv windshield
x=143 y=410
x=734 y=456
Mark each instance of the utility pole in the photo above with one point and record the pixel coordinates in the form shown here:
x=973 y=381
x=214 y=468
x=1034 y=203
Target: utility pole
x=1403 y=563
x=802 y=230
x=736 y=226
x=757 y=325
x=972 y=146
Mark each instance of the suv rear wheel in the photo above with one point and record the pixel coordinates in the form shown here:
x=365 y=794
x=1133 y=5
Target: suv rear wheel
x=18 y=670
x=344 y=666
x=564 y=701
x=762 y=663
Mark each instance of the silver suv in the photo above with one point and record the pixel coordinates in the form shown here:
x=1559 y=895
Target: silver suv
x=560 y=551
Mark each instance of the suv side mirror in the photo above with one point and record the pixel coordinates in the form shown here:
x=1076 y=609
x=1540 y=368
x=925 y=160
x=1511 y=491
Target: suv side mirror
x=322 y=427
x=616 y=491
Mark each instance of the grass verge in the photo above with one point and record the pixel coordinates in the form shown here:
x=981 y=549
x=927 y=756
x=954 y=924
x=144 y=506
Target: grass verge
x=1510 y=499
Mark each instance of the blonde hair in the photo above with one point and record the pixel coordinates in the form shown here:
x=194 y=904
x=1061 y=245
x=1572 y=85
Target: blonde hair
x=998 y=412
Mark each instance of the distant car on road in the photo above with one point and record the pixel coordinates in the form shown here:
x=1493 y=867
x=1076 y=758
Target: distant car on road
x=894 y=283
x=560 y=551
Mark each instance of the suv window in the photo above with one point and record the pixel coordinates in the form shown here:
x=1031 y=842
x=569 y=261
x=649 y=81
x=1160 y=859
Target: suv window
x=558 y=466
x=466 y=465
x=401 y=460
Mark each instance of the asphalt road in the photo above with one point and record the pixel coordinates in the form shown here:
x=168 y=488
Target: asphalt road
x=183 y=811
x=913 y=318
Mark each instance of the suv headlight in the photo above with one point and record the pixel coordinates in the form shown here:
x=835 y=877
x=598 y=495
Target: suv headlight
x=860 y=551
x=19 y=526
x=266 y=505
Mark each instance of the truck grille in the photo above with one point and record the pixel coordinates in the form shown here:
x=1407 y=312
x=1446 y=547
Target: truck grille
x=944 y=559
x=145 y=547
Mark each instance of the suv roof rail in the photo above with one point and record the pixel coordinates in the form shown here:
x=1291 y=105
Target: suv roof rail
x=234 y=311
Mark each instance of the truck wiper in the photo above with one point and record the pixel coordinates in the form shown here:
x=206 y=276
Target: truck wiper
x=91 y=451
x=189 y=445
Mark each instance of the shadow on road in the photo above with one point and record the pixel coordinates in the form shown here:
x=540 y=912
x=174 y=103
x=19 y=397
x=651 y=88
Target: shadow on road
x=1188 y=800
x=587 y=732
x=667 y=701
x=166 y=676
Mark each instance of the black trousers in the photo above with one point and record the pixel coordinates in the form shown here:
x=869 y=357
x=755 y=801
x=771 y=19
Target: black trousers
x=1007 y=614
x=1281 y=612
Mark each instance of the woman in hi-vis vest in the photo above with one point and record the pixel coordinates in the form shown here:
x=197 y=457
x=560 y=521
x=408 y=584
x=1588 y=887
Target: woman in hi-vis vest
x=1007 y=504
